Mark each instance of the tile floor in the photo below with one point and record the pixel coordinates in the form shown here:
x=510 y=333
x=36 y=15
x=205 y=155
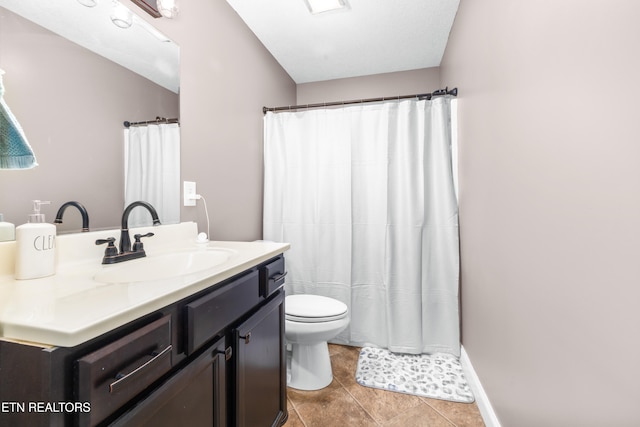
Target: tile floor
x=346 y=403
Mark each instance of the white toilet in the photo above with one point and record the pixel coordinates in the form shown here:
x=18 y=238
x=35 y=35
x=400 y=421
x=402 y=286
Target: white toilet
x=310 y=321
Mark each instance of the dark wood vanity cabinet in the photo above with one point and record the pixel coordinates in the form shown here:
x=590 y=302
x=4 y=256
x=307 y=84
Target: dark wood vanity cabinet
x=115 y=374
x=259 y=367
x=215 y=359
x=195 y=395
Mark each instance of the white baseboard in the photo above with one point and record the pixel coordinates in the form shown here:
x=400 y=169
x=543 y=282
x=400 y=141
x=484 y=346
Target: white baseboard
x=486 y=410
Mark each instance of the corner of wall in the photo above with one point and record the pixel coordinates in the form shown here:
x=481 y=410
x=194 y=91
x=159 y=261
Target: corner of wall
x=486 y=410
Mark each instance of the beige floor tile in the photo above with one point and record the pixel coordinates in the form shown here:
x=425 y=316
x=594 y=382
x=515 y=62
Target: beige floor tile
x=383 y=405
x=294 y=419
x=460 y=414
x=346 y=403
x=340 y=410
x=419 y=416
x=337 y=348
x=344 y=364
x=324 y=396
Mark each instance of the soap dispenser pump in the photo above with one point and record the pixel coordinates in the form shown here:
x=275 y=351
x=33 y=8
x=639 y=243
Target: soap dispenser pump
x=35 y=246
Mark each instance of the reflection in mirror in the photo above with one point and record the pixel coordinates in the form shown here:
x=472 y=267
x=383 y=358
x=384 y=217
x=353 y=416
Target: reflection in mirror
x=152 y=170
x=72 y=104
x=137 y=46
x=15 y=151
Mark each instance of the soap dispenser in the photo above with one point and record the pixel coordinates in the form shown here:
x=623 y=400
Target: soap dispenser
x=35 y=246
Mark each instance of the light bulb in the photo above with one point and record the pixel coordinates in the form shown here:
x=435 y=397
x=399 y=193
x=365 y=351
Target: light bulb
x=88 y=3
x=168 y=8
x=121 y=16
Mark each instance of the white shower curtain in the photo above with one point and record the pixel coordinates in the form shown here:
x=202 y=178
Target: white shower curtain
x=365 y=195
x=152 y=171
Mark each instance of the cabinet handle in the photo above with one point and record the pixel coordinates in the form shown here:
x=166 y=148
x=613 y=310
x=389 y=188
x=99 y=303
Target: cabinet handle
x=280 y=277
x=246 y=338
x=115 y=386
x=228 y=352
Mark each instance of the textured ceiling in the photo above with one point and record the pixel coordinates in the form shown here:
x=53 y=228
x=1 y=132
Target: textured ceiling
x=369 y=37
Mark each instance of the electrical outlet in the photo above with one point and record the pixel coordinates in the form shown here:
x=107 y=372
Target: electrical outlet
x=189 y=192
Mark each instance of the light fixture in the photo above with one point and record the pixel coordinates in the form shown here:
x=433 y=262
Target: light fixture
x=168 y=8
x=88 y=3
x=320 y=6
x=121 y=16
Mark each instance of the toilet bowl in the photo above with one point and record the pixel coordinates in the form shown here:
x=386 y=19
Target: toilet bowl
x=310 y=321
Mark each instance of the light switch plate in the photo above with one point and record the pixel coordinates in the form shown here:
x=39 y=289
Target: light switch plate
x=189 y=191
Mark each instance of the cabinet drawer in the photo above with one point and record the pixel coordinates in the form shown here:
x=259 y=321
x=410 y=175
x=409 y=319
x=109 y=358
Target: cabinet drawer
x=209 y=315
x=194 y=396
x=272 y=277
x=114 y=374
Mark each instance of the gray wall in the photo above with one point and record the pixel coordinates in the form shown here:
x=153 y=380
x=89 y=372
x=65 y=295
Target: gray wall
x=375 y=86
x=71 y=104
x=550 y=206
x=227 y=77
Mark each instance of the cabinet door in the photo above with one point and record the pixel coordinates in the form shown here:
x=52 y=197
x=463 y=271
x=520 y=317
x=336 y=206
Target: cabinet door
x=260 y=368
x=195 y=396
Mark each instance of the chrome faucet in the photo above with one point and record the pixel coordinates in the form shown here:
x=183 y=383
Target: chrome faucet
x=83 y=212
x=111 y=254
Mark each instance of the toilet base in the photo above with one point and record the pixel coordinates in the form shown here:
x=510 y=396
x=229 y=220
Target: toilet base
x=310 y=366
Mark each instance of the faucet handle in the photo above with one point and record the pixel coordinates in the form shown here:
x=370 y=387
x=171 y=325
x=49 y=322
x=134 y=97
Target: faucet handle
x=138 y=246
x=111 y=248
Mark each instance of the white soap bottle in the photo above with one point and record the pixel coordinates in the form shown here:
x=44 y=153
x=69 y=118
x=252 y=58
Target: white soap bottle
x=35 y=246
x=7 y=230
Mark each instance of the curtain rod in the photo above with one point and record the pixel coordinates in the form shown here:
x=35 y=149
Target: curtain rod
x=157 y=121
x=427 y=96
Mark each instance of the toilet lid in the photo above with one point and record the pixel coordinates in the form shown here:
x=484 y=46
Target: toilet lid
x=313 y=308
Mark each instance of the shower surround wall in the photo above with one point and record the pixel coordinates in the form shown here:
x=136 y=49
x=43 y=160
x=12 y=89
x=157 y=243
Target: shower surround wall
x=550 y=206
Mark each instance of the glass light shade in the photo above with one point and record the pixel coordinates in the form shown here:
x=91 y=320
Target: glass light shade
x=88 y=3
x=168 y=8
x=121 y=16
x=319 y=6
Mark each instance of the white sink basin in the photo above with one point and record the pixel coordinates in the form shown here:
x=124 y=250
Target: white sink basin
x=158 y=267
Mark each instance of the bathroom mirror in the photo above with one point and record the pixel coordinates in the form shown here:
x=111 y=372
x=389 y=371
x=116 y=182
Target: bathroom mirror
x=140 y=47
x=72 y=103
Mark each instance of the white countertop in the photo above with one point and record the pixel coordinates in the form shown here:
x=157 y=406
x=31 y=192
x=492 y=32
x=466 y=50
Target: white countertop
x=70 y=307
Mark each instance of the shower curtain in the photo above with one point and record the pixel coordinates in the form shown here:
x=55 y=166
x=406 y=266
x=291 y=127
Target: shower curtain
x=365 y=195
x=152 y=171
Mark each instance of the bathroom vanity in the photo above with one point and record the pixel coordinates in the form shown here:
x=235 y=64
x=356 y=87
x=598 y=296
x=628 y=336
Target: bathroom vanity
x=205 y=348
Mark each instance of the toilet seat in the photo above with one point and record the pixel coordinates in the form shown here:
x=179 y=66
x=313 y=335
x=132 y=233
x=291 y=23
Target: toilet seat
x=313 y=309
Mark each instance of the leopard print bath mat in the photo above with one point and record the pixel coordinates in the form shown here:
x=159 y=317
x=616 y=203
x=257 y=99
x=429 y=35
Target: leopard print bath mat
x=438 y=375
